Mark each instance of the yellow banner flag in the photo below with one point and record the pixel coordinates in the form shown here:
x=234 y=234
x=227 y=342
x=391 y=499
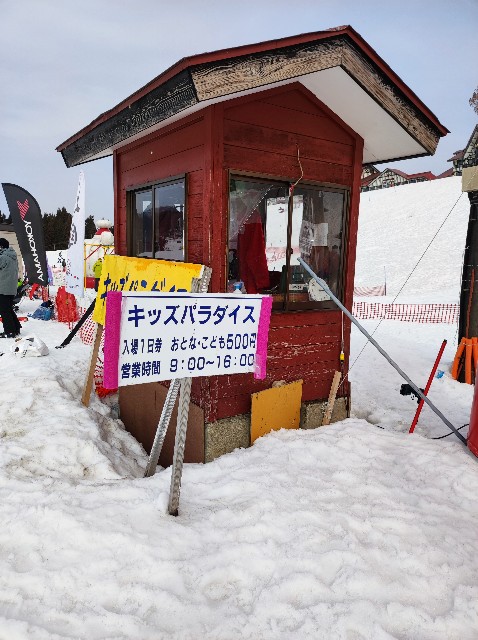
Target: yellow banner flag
x=120 y=273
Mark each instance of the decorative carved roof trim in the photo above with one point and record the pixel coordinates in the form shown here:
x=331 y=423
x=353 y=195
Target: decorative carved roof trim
x=237 y=72
x=158 y=105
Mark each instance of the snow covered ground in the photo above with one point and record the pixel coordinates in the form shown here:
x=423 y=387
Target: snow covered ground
x=349 y=532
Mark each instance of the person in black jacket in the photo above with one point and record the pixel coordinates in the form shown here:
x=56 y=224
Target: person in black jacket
x=8 y=289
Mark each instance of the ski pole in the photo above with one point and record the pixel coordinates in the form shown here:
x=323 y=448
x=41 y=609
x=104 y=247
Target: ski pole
x=384 y=353
x=77 y=326
x=427 y=388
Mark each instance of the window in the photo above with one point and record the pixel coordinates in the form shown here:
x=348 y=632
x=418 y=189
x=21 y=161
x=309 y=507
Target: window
x=157 y=229
x=266 y=240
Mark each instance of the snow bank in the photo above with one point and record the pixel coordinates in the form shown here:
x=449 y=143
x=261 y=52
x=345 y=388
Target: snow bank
x=45 y=430
x=343 y=532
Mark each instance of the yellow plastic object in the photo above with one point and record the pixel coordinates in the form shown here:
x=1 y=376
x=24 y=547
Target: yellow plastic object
x=276 y=408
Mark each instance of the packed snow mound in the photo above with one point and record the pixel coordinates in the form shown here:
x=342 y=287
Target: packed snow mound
x=340 y=532
x=45 y=431
x=396 y=225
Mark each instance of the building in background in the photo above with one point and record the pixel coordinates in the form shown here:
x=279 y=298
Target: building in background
x=393 y=178
x=457 y=159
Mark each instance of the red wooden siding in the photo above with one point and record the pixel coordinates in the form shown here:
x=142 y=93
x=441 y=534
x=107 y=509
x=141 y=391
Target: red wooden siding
x=260 y=135
x=175 y=150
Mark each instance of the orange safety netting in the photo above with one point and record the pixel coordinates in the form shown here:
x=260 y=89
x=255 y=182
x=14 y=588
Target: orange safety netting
x=87 y=336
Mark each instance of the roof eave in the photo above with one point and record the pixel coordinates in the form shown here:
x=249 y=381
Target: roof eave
x=188 y=83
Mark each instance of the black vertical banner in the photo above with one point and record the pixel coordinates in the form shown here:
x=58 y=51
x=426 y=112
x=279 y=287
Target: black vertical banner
x=26 y=217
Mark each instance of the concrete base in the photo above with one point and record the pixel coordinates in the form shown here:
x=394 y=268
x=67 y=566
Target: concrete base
x=312 y=413
x=223 y=436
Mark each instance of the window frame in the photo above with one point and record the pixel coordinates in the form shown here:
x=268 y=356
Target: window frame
x=130 y=206
x=286 y=306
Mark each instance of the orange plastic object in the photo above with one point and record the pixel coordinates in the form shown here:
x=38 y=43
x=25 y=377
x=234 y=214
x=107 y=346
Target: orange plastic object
x=468 y=357
x=276 y=408
x=456 y=361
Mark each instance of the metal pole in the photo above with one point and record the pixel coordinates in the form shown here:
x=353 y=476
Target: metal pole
x=427 y=388
x=179 y=444
x=384 y=354
x=198 y=286
x=77 y=326
x=162 y=428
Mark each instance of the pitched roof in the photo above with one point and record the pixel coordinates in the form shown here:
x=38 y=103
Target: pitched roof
x=422 y=174
x=398 y=172
x=337 y=65
x=365 y=181
x=407 y=176
x=446 y=174
x=472 y=144
x=458 y=155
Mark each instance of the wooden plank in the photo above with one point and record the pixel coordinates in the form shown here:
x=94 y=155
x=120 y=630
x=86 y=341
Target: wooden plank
x=284 y=337
x=258 y=161
x=195 y=206
x=85 y=398
x=152 y=153
x=263 y=114
x=195 y=250
x=294 y=99
x=141 y=406
x=219 y=200
x=276 y=408
x=261 y=69
x=195 y=182
x=303 y=354
x=272 y=140
x=331 y=400
x=306 y=318
x=177 y=164
x=162 y=144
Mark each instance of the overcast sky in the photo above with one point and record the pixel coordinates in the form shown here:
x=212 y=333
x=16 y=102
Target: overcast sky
x=63 y=62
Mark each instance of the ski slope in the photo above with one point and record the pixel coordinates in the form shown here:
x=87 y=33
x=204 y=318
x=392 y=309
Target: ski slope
x=400 y=224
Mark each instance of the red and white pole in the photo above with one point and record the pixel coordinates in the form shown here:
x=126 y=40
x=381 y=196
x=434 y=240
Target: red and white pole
x=427 y=388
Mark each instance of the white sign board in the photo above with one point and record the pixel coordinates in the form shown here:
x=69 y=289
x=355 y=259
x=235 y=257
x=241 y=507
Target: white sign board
x=161 y=336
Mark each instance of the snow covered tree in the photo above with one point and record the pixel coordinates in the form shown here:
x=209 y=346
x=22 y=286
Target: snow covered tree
x=90 y=227
x=474 y=100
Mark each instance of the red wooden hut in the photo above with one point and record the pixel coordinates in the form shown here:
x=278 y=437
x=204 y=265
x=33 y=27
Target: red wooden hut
x=205 y=158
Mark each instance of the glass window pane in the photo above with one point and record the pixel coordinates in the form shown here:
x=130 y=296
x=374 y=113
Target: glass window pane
x=142 y=227
x=257 y=236
x=169 y=221
x=317 y=223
